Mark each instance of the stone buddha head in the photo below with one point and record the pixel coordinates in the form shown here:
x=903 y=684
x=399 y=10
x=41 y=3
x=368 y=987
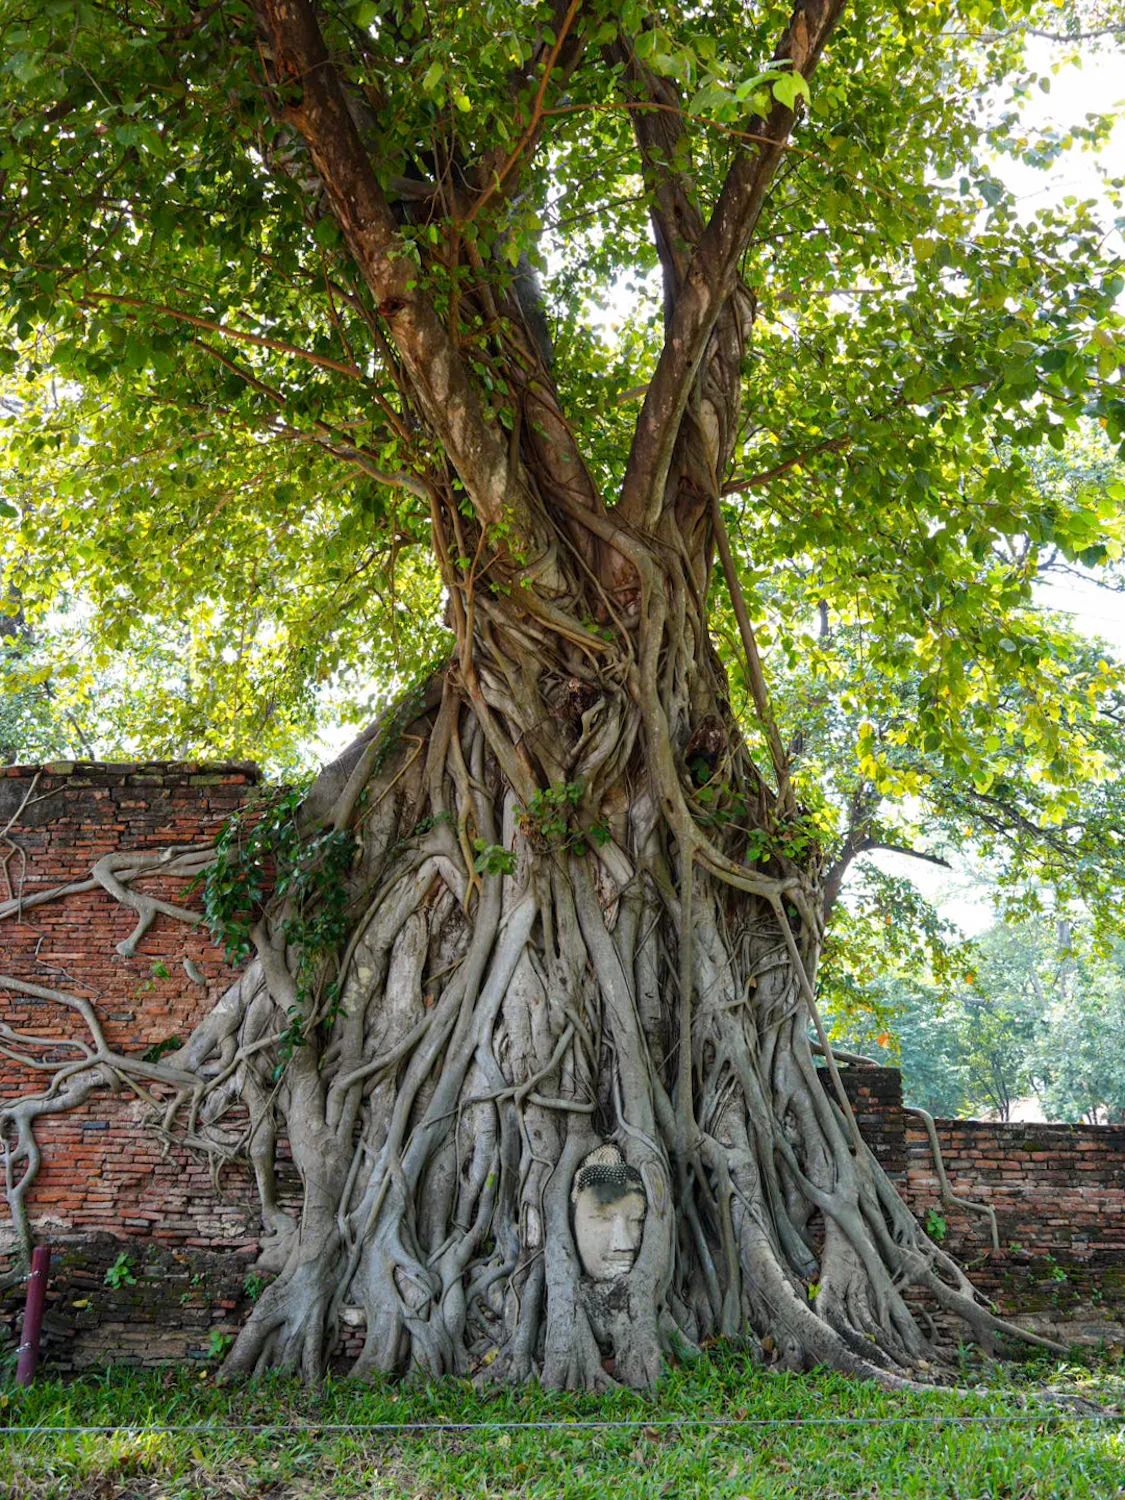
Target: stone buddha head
x=608 y=1206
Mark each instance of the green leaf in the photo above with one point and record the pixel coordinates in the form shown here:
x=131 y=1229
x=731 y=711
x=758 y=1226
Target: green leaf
x=789 y=88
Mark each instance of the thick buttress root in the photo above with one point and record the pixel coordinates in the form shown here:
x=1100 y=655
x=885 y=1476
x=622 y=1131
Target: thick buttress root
x=490 y=1027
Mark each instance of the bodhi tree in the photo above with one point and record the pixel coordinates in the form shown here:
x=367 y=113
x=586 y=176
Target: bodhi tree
x=582 y=317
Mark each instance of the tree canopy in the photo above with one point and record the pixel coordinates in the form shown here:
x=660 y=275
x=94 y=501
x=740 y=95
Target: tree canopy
x=1034 y=1014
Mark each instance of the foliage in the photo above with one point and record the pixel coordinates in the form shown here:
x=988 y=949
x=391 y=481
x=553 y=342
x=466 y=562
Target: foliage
x=493 y=859
x=967 y=1052
x=211 y=511
x=308 y=869
x=1037 y=791
x=248 y=845
x=25 y=696
x=253 y=1286
x=551 y=819
x=886 y=928
x=120 y=1273
x=218 y=1343
x=199 y=572
x=162 y=1048
x=1079 y=1064
x=215 y=613
x=1043 y=1017
x=819 y=1445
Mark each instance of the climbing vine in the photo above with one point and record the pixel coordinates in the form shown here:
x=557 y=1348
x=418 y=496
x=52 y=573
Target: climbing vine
x=267 y=851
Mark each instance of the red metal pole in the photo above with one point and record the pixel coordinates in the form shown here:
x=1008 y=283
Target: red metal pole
x=33 y=1315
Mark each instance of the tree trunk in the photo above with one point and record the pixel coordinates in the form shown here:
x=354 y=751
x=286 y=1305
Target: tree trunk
x=619 y=958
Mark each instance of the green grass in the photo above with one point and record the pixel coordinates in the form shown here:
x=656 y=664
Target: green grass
x=1044 y=1453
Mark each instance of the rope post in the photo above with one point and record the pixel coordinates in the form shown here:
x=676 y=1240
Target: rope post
x=33 y=1315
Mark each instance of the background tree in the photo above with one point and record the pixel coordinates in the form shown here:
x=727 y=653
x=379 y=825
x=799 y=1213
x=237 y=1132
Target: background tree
x=329 y=287
x=1080 y=1063
x=1030 y=1011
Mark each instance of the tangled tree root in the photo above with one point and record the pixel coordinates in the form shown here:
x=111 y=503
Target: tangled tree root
x=476 y=1035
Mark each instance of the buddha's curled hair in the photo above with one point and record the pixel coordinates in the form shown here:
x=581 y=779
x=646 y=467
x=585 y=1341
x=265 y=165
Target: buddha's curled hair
x=608 y=1174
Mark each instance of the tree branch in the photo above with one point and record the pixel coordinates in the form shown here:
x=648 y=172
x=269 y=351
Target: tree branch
x=754 y=481
x=240 y=334
x=331 y=439
x=859 y=840
x=839 y=444
x=930 y=859
x=712 y=276
x=653 y=104
x=316 y=105
x=494 y=177
x=1096 y=34
x=862 y=806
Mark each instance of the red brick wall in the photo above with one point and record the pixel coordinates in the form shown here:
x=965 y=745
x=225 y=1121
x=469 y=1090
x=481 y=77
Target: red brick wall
x=1057 y=1189
x=876 y=1098
x=103 y=1180
x=108 y=1188
x=1058 y=1192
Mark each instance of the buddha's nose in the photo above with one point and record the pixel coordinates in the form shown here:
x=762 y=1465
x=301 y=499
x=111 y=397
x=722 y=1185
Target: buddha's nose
x=622 y=1239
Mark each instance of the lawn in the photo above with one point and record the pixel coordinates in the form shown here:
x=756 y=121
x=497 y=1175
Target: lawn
x=724 y=1428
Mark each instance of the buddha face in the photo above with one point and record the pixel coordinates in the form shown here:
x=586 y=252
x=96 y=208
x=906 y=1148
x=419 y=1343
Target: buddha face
x=609 y=1214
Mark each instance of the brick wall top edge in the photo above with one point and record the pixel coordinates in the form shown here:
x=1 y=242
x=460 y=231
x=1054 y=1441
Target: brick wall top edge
x=866 y=1071
x=173 y=769
x=1048 y=1131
